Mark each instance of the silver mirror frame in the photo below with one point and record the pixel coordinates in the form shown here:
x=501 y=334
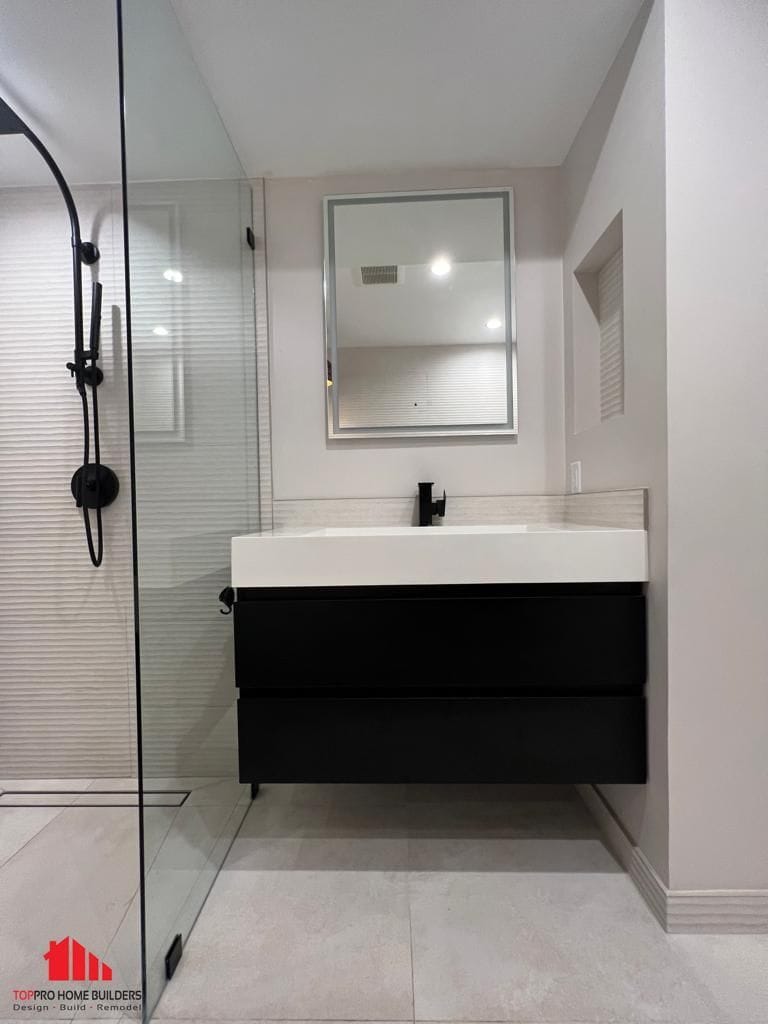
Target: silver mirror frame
x=334 y=431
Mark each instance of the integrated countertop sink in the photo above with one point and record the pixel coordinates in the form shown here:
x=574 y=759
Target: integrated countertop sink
x=412 y=555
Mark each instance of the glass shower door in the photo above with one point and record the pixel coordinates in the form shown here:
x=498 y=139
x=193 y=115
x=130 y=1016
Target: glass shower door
x=193 y=376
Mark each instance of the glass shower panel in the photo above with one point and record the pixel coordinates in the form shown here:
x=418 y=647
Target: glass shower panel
x=195 y=442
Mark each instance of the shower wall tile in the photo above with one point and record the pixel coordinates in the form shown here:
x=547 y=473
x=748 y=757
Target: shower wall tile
x=463 y=510
x=604 y=508
x=66 y=647
x=628 y=509
x=262 y=356
x=67 y=704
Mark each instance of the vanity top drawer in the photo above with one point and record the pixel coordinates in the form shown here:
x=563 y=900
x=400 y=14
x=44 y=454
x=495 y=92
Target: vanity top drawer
x=592 y=638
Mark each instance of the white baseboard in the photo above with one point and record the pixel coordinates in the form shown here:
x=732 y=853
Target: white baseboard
x=715 y=911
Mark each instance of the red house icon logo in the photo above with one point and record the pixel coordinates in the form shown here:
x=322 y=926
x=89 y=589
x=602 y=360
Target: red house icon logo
x=69 y=961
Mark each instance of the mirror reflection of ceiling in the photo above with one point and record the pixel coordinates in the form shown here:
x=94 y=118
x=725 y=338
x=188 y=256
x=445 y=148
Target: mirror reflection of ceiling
x=304 y=87
x=420 y=307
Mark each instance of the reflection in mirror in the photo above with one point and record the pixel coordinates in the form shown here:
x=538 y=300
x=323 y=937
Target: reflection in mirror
x=420 y=329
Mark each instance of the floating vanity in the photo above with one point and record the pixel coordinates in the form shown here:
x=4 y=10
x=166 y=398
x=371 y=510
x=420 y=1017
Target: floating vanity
x=441 y=654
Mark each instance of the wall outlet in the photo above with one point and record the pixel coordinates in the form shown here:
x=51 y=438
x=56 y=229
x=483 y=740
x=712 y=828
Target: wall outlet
x=575 y=468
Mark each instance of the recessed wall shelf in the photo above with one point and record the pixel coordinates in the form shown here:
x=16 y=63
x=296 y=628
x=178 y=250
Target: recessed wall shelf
x=598 y=330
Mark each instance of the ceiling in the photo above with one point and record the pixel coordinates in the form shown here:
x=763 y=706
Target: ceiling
x=304 y=87
x=314 y=87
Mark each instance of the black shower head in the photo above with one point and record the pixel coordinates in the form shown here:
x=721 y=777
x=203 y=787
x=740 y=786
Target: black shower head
x=10 y=122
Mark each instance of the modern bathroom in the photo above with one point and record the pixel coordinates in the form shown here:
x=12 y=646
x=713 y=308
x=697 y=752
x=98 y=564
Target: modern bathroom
x=383 y=504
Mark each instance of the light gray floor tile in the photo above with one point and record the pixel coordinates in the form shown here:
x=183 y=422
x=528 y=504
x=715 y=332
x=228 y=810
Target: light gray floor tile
x=76 y=877
x=546 y=947
x=734 y=968
x=552 y=819
x=297 y=945
x=284 y=819
x=20 y=824
x=28 y=799
x=263 y=853
x=192 y=835
x=513 y=855
x=353 y=854
x=495 y=792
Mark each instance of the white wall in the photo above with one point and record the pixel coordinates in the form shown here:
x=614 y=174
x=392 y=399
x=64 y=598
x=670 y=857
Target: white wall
x=717 y=232
x=305 y=464
x=617 y=164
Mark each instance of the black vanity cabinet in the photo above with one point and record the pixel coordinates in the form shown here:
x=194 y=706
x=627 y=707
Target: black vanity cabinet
x=485 y=683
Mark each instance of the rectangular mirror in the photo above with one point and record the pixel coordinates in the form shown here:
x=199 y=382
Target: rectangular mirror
x=420 y=314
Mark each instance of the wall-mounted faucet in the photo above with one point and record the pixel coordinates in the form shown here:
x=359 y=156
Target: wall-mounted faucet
x=428 y=507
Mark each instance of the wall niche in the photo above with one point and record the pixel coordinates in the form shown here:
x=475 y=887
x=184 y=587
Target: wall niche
x=598 y=330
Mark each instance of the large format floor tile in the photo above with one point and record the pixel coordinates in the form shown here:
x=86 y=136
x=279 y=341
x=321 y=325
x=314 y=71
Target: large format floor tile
x=77 y=877
x=297 y=945
x=511 y=905
x=546 y=947
x=20 y=824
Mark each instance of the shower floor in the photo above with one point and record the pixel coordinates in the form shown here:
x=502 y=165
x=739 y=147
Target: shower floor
x=69 y=866
x=450 y=904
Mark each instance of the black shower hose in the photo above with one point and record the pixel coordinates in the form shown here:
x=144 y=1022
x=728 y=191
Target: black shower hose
x=97 y=552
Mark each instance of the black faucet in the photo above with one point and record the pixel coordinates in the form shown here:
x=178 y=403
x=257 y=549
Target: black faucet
x=428 y=507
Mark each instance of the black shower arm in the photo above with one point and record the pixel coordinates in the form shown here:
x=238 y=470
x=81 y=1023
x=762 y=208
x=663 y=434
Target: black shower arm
x=12 y=124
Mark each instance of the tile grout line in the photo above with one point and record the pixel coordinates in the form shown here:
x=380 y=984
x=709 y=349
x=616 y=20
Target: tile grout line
x=410 y=925
x=15 y=853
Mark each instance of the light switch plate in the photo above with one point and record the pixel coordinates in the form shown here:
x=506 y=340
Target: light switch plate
x=575 y=468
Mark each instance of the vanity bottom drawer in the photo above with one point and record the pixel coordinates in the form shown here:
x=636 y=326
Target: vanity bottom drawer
x=515 y=739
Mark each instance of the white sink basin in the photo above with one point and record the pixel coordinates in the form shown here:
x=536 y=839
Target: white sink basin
x=399 y=555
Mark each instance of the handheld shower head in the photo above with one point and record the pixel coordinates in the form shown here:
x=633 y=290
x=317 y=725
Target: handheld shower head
x=93 y=485
x=10 y=122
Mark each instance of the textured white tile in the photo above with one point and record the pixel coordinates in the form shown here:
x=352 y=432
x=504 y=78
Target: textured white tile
x=67 y=698
x=608 y=508
x=30 y=785
x=460 y=509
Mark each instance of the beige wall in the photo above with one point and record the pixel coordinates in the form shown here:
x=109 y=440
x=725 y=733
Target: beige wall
x=717 y=232
x=305 y=464
x=616 y=164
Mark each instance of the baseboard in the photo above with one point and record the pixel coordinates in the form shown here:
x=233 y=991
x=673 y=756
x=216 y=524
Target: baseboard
x=714 y=911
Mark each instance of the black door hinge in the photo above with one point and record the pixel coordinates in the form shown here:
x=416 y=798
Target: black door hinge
x=173 y=956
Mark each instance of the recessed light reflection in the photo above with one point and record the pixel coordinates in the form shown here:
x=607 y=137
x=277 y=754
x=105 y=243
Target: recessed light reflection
x=441 y=266
x=493 y=324
x=160 y=331
x=173 y=275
